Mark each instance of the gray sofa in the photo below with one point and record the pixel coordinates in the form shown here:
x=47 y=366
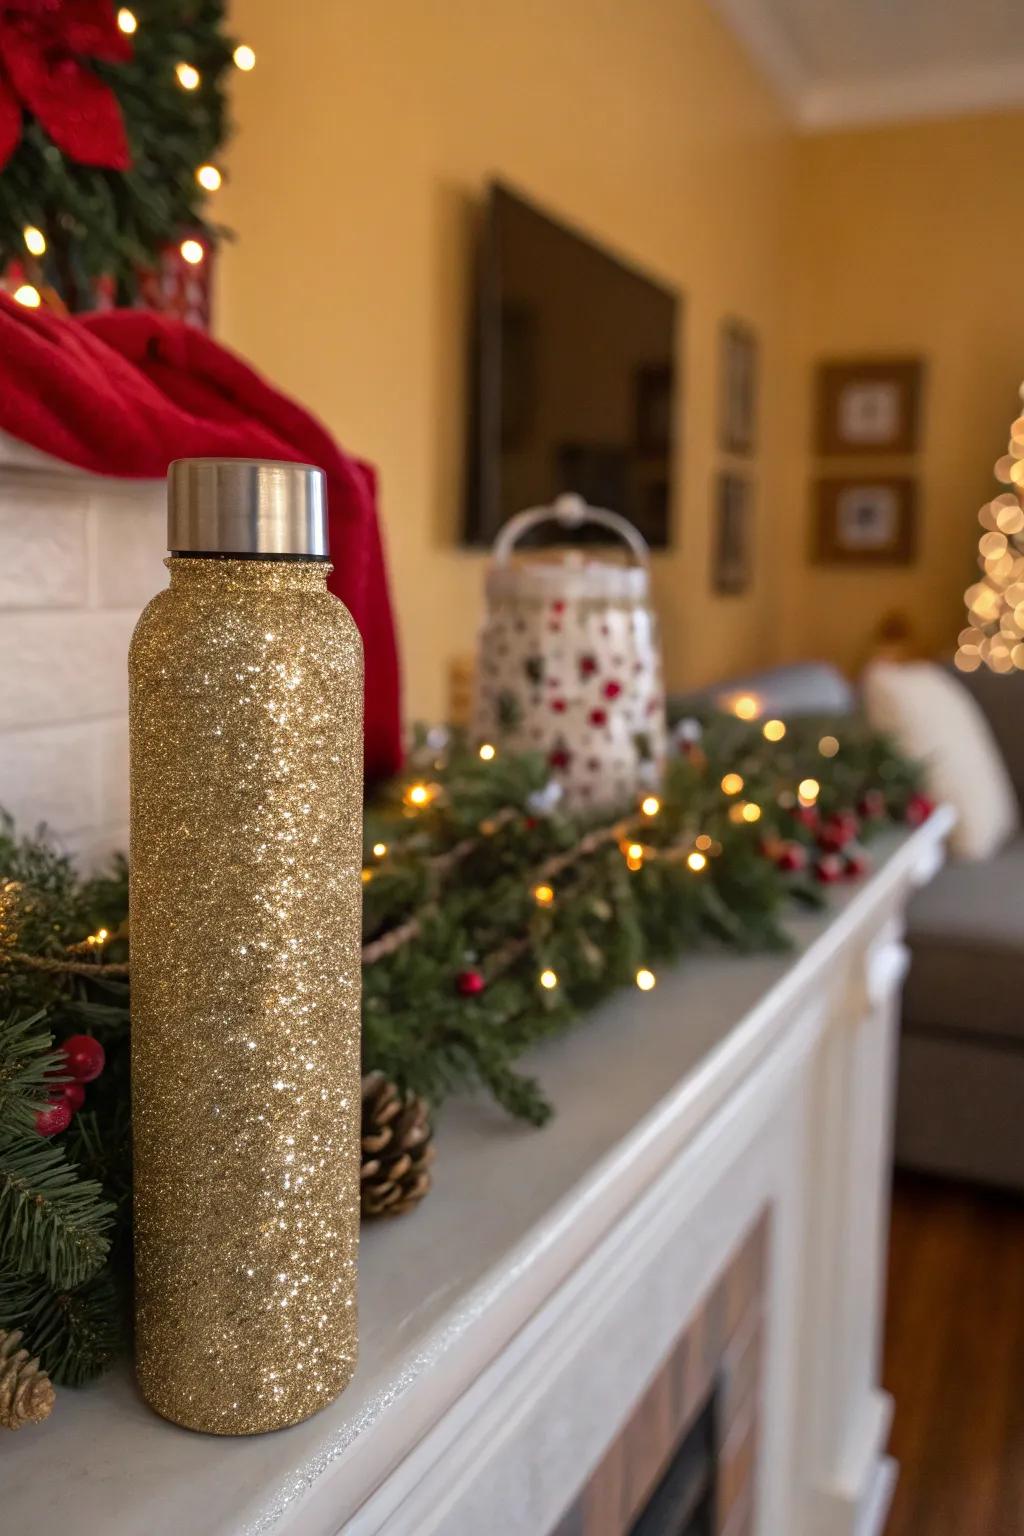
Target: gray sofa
x=961 y=1089
x=961 y=1094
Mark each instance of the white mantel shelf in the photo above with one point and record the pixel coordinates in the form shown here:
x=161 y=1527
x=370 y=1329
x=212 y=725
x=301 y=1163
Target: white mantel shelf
x=466 y=1302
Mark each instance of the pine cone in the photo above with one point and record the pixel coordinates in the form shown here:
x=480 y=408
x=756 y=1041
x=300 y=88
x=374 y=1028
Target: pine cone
x=26 y=1392
x=397 y=1148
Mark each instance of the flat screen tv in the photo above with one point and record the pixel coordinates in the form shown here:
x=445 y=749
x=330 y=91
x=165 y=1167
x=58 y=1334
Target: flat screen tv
x=575 y=374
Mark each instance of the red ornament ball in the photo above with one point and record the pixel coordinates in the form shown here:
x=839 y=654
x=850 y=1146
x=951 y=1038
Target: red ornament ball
x=73 y=1094
x=54 y=1118
x=829 y=869
x=470 y=983
x=84 y=1057
x=919 y=808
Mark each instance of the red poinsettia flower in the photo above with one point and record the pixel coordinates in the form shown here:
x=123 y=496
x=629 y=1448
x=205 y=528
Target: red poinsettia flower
x=42 y=46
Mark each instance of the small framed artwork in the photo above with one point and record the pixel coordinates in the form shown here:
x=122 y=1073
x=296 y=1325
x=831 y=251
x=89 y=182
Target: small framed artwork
x=731 y=558
x=868 y=407
x=866 y=521
x=738 y=403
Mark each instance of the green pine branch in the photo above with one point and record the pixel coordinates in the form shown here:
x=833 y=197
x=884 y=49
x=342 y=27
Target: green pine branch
x=28 y=1068
x=76 y=1333
x=52 y=1222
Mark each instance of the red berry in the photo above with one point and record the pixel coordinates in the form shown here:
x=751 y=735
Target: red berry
x=791 y=858
x=612 y=690
x=598 y=717
x=837 y=831
x=470 y=983
x=74 y=1094
x=56 y=1117
x=84 y=1057
x=828 y=869
x=856 y=864
x=559 y=758
x=919 y=808
x=871 y=804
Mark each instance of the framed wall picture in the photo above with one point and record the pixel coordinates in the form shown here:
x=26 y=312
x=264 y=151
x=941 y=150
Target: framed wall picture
x=868 y=407
x=732 y=539
x=738 y=389
x=862 y=520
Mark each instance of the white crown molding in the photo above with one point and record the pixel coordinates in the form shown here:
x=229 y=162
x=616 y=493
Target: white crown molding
x=817 y=106
x=935 y=93
x=756 y=25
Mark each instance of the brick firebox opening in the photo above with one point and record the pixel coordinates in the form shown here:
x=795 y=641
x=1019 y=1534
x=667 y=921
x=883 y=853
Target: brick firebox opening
x=685 y=1461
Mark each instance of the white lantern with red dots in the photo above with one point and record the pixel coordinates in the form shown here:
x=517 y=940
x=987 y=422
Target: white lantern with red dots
x=569 y=663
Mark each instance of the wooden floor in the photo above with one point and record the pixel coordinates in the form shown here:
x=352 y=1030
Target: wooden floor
x=954 y=1361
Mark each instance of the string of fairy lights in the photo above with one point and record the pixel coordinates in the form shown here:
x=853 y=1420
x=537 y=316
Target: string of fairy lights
x=994 y=635
x=208 y=175
x=695 y=852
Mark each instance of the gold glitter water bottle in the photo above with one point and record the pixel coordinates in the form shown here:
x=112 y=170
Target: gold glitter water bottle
x=246 y=810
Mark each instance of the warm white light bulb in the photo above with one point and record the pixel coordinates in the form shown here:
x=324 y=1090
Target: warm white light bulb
x=696 y=861
x=192 y=252
x=650 y=805
x=188 y=76
x=645 y=979
x=127 y=21
x=487 y=752
x=35 y=240
x=28 y=295
x=548 y=980
x=208 y=177
x=245 y=57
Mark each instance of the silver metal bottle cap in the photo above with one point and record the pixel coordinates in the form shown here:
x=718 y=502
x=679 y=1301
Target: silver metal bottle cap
x=246 y=507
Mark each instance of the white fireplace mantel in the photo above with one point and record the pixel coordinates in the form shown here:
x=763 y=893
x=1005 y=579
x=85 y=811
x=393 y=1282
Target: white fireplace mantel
x=508 y=1327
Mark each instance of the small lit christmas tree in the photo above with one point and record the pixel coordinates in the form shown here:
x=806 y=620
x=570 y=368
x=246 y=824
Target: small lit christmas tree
x=995 y=603
x=111 y=127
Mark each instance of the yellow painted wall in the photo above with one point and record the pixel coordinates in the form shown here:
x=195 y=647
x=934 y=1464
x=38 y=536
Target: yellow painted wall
x=910 y=243
x=366 y=136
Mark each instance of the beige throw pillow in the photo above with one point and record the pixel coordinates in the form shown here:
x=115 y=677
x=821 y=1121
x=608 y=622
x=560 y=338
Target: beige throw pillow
x=932 y=717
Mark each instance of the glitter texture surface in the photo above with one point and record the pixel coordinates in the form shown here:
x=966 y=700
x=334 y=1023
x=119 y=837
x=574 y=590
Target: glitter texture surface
x=246 y=768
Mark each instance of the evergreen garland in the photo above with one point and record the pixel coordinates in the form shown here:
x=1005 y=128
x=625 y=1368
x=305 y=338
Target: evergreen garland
x=492 y=918
x=114 y=224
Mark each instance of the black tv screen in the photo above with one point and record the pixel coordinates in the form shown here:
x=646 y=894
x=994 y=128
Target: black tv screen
x=575 y=376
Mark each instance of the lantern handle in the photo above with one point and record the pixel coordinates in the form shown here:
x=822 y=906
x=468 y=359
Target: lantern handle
x=572 y=512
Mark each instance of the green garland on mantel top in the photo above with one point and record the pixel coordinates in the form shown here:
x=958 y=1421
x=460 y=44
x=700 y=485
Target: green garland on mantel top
x=492 y=919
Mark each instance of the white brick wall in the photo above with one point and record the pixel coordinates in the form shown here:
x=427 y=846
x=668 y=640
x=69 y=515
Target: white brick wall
x=80 y=556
